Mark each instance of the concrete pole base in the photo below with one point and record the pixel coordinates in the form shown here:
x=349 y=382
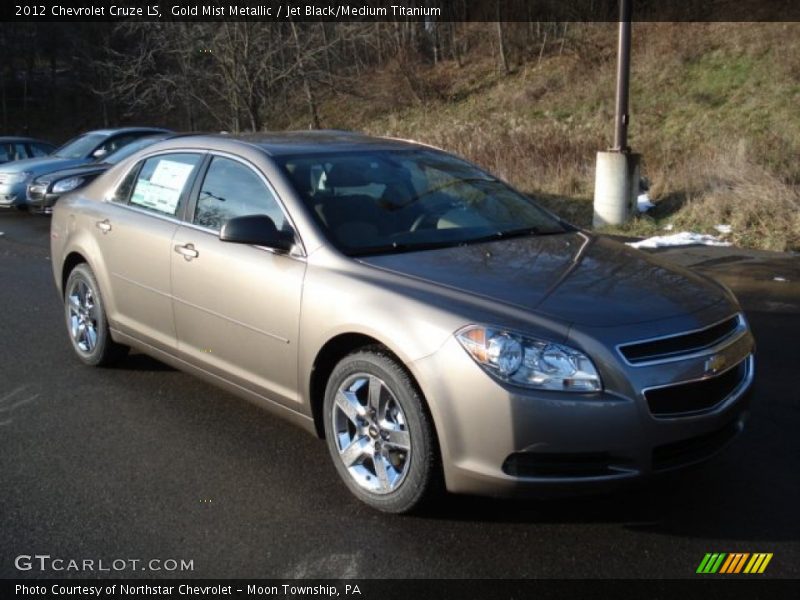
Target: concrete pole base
x=616 y=187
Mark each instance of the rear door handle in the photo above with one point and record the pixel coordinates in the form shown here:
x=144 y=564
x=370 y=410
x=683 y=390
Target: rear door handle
x=104 y=226
x=187 y=251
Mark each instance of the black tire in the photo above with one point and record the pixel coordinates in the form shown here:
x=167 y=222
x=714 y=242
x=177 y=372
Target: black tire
x=98 y=349
x=419 y=479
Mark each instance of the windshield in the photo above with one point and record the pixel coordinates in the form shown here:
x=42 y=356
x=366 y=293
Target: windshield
x=129 y=149
x=403 y=200
x=80 y=147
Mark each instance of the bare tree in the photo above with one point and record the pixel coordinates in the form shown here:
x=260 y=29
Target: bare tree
x=501 y=39
x=301 y=71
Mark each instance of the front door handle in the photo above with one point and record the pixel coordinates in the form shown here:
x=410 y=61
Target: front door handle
x=187 y=251
x=104 y=226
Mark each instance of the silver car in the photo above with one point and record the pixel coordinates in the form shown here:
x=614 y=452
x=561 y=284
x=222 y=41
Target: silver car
x=88 y=147
x=439 y=329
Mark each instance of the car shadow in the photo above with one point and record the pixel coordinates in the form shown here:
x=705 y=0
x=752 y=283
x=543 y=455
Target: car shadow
x=141 y=362
x=717 y=500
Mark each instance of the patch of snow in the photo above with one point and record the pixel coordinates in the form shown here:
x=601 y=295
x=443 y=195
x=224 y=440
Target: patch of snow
x=684 y=238
x=723 y=229
x=643 y=202
x=781 y=279
x=669 y=227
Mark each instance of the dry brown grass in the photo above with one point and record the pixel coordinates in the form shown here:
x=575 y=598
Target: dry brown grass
x=714 y=114
x=732 y=189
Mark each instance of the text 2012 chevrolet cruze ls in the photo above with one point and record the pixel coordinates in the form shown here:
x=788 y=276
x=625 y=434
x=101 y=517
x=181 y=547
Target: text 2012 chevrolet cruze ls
x=433 y=324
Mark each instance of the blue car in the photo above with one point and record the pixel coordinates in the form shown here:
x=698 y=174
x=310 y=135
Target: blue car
x=15 y=176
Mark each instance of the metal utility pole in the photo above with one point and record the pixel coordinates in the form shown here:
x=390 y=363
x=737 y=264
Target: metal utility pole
x=617 y=177
x=623 y=77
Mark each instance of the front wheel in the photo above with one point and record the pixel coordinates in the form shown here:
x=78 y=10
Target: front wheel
x=379 y=433
x=86 y=320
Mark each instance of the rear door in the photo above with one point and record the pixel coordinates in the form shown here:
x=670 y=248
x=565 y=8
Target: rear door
x=134 y=234
x=237 y=306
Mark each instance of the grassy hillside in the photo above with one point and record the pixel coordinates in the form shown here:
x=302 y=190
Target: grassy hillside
x=715 y=111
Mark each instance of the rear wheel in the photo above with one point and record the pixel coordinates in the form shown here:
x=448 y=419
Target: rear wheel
x=86 y=320
x=379 y=433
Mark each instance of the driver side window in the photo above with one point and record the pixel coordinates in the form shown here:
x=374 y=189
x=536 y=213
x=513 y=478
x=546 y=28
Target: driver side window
x=115 y=143
x=231 y=189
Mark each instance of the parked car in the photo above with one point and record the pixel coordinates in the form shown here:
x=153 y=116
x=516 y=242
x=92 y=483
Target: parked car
x=88 y=147
x=19 y=148
x=430 y=322
x=45 y=190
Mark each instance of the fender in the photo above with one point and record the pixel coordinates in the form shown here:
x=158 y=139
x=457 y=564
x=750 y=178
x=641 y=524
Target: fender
x=72 y=232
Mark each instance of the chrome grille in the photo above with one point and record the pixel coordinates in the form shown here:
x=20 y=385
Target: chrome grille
x=692 y=397
x=682 y=345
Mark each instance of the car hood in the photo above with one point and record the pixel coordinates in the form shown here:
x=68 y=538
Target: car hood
x=573 y=277
x=39 y=166
x=90 y=169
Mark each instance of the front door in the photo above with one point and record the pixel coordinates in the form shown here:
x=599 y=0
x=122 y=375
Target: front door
x=237 y=306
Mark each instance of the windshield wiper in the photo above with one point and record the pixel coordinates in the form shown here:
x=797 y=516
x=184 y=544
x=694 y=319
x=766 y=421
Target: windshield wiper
x=504 y=235
x=397 y=248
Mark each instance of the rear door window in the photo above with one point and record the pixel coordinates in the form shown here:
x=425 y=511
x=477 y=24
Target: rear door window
x=162 y=182
x=20 y=151
x=12 y=151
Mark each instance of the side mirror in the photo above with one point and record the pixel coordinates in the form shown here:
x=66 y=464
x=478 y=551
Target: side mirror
x=99 y=153
x=258 y=230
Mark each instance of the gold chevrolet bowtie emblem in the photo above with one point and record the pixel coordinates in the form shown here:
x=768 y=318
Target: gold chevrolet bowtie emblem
x=716 y=363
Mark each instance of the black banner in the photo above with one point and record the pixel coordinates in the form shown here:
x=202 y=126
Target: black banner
x=401 y=10
x=719 y=588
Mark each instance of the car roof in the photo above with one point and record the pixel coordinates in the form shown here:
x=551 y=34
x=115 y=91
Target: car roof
x=118 y=130
x=293 y=142
x=15 y=138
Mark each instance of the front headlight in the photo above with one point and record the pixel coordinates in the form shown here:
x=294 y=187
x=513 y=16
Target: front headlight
x=533 y=363
x=67 y=185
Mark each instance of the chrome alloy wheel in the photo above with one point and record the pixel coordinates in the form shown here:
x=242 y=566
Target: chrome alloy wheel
x=82 y=316
x=371 y=434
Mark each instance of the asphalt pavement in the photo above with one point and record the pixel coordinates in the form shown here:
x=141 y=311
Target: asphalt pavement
x=144 y=462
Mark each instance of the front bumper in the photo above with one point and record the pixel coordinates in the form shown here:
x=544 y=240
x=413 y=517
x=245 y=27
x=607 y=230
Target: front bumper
x=12 y=195
x=39 y=200
x=500 y=440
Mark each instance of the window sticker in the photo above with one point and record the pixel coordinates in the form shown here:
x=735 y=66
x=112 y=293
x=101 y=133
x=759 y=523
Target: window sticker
x=156 y=197
x=171 y=175
x=163 y=191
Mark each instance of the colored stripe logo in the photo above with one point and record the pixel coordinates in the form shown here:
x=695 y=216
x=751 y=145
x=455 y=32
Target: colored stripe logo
x=734 y=563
